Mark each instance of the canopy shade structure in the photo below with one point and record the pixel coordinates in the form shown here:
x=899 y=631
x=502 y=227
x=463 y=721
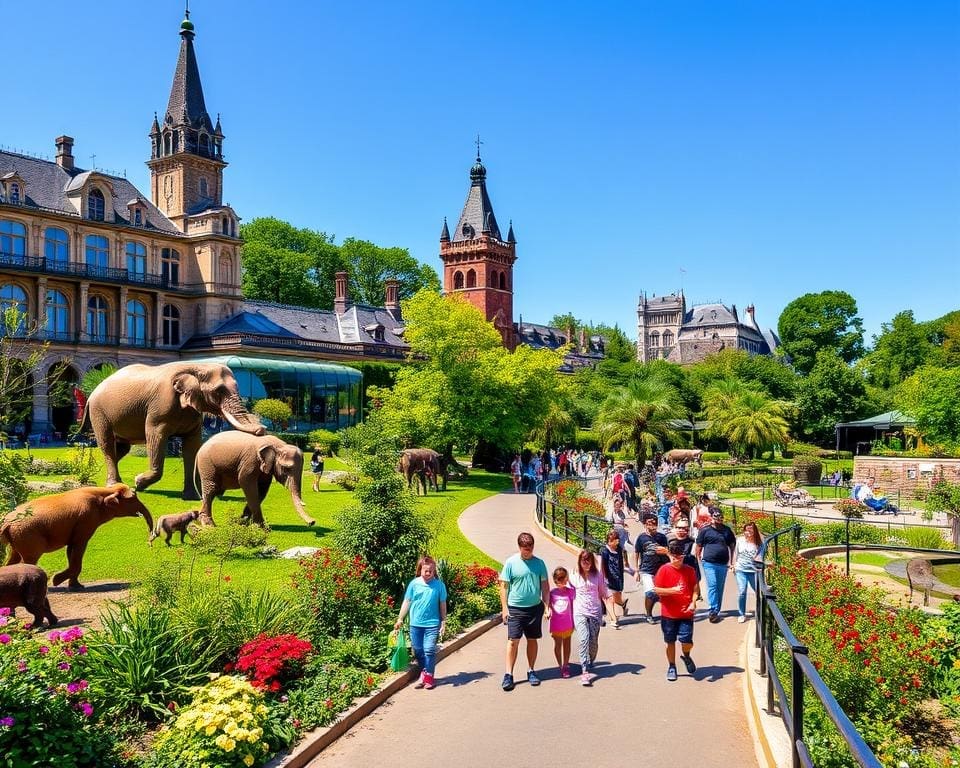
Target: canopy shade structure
x=858 y=436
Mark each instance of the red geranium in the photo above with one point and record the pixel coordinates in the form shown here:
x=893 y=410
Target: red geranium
x=268 y=662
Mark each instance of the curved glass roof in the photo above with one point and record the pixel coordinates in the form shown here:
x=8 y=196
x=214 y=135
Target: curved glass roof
x=237 y=363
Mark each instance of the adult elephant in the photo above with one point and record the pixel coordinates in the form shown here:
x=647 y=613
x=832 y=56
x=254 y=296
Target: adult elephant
x=684 y=456
x=422 y=463
x=240 y=460
x=152 y=403
x=66 y=520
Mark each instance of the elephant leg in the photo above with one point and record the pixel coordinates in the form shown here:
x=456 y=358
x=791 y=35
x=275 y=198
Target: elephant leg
x=108 y=446
x=254 y=495
x=51 y=619
x=191 y=444
x=74 y=566
x=156 y=453
x=13 y=557
x=210 y=490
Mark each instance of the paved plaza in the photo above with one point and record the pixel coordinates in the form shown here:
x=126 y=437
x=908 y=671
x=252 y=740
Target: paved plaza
x=630 y=714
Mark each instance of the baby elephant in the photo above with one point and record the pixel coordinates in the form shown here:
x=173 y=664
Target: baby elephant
x=170 y=524
x=26 y=585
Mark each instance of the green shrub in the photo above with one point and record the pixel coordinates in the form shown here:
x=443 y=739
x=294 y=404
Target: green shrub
x=797 y=448
x=850 y=508
x=325 y=440
x=140 y=661
x=44 y=707
x=277 y=412
x=922 y=537
x=13 y=481
x=299 y=439
x=827 y=534
x=588 y=440
x=228 y=724
x=325 y=690
x=367 y=652
x=235 y=539
x=346 y=480
x=85 y=464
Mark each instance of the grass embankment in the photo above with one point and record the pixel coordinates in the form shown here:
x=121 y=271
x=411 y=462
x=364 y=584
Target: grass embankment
x=119 y=550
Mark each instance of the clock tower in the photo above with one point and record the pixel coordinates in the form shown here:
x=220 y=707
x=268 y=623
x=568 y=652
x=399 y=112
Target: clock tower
x=477 y=261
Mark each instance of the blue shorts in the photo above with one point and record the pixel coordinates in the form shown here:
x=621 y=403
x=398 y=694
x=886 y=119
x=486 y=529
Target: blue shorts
x=677 y=629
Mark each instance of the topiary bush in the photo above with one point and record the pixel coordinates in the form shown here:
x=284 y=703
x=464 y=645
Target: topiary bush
x=325 y=440
x=807 y=470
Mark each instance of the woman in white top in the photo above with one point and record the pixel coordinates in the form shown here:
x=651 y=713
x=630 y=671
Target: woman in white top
x=745 y=567
x=591 y=589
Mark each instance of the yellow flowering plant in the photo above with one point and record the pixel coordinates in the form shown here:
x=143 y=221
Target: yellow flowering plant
x=228 y=723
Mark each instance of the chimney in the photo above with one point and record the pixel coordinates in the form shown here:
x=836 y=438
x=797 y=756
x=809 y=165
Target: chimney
x=583 y=339
x=340 y=296
x=392 y=298
x=751 y=315
x=65 y=152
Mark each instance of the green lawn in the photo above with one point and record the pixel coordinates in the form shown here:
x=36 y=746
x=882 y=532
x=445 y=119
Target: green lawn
x=119 y=550
x=948 y=574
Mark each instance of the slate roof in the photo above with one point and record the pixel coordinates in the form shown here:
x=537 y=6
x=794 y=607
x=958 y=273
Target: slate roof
x=186 y=104
x=477 y=217
x=538 y=336
x=709 y=314
x=47 y=185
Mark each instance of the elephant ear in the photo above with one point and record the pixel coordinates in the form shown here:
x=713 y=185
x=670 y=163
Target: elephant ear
x=188 y=387
x=268 y=457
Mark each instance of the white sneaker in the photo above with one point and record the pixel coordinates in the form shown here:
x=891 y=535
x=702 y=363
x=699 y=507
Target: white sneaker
x=741 y=619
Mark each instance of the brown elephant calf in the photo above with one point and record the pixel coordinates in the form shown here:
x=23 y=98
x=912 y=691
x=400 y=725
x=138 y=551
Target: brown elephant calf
x=26 y=585
x=66 y=520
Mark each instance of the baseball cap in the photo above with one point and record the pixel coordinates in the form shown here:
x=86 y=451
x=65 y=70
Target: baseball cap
x=716 y=512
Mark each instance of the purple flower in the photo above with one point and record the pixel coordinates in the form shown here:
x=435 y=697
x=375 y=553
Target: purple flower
x=21 y=666
x=82 y=650
x=4 y=620
x=7 y=722
x=5 y=639
x=64 y=665
x=4 y=611
x=53 y=636
x=86 y=708
x=43 y=650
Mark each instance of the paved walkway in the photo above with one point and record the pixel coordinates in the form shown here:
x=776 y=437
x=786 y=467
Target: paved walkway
x=630 y=714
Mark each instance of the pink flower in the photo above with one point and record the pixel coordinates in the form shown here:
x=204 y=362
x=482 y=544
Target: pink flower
x=54 y=636
x=7 y=722
x=4 y=620
x=43 y=650
x=21 y=666
x=63 y=665
x=86 y=708
x=82 y=650
x=5 y=639
x=4 y=611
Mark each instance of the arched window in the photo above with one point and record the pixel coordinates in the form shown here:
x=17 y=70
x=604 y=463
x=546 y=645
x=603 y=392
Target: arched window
x=457 y=280
x=13 y=242
x=97 y=252
x=503 y=281
x=14 y=297
x=493 y=279
x=225 y=225
x=203 y=187
x=667 y=339
x=170 y=266
x=171 y=325
x=97 y=319
x=471 y=279
x=96 y=205
x=136 y=323
x=167 y=144
x=58 y=315
x=654 y=339
x=204 y=146
x=56 y=248
x=136 y=260
x=226 y=270
x=15 y=193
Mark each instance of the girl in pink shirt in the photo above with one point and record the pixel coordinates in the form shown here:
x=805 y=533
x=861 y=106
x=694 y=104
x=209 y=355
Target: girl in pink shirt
x=561 y=618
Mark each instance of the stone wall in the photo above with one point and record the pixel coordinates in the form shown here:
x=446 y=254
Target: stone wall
x=893 y=474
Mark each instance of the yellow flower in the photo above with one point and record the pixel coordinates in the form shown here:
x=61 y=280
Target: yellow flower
x=248 y=760
x=225 y=743
x=210 y=730
x=956 y=664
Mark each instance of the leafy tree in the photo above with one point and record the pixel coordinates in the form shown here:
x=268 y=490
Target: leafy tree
x=92 y=378
x=817 y=321
x=461 y=385
x=767 y=373
x=556 y=427
x=832 y=392
x=902 y=347
x=641 y=415
x=566 y=323
x=287 y=265
x=748 y=419
x=370 y=266
x=944 y=496
x=932 y=397
x=277 y=411
x=618 y=346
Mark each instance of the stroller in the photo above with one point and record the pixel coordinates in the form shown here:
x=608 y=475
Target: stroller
x=792 y=497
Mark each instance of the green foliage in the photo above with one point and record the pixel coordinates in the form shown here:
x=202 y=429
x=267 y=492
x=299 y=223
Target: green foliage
x=233 y=539
x=815 y=321
x=141 y=661
x=827 y=534
x=932 y=397
x=325 y=440
x=750 y=421
x=44 y=707
x=642 y=416
x=832 y=392
x=366 y=652
x=299 y=439
x=227 y=724
x=343 y=595
x=92 y=378
x=947 y=677
x=370 y=266
x=85 y=464
x=768 y=374
x=276 y=411
x=922 y=537
x=902 y=346
x=13 y=481
x=326 y=689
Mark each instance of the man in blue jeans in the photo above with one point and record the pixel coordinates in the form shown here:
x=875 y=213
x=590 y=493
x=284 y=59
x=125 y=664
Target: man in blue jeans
x=714 y=550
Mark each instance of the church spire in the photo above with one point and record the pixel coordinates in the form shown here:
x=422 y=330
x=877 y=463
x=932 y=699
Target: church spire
x=186 y=105
x=477 y=217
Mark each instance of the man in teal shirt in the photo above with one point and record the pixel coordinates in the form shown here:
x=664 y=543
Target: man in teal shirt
x=524 y=602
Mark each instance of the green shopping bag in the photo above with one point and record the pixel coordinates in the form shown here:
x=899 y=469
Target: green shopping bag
x=400 y=659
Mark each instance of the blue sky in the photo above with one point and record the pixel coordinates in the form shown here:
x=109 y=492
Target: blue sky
x=769 y=149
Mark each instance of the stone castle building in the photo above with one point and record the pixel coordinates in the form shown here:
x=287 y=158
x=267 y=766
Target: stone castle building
x=667 y=330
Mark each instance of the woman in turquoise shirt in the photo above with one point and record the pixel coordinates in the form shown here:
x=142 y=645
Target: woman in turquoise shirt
x=426 y=602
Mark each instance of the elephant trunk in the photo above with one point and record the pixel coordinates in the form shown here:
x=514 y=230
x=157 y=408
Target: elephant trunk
x=149 y=519
x=240 y=418
x=293 y=485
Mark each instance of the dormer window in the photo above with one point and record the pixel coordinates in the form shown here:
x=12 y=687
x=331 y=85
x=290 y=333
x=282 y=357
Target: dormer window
x=375 y=330
x=138 y=217
x=15 y=193
x=95 y=205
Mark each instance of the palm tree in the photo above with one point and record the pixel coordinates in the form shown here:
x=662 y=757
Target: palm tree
x=751 y=421
x=556 y=426
x=641 y=415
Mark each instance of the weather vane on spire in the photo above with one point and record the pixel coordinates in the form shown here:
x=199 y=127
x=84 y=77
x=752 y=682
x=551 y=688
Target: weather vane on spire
x=478 y=146
x=187 y=11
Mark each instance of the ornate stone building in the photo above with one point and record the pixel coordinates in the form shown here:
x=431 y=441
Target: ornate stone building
x=667 y=330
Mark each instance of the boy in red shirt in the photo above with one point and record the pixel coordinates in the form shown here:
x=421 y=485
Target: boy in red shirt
x=678 y=589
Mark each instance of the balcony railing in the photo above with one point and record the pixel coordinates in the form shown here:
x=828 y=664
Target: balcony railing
x=43 y=265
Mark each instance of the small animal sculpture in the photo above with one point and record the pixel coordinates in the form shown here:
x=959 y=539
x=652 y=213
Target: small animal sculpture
x=66 y=520
x=170 y=524
x=26 y=585
x=684 y=456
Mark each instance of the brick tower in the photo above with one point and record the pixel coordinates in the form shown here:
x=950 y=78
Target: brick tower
x=477 y=261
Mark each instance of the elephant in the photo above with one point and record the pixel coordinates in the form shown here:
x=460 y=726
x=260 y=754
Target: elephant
x=66 y=520
x=26 y=585
x=684 y=456
x=423 y=463
x=240 y=460
x=152 y=403
x=171 y=524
